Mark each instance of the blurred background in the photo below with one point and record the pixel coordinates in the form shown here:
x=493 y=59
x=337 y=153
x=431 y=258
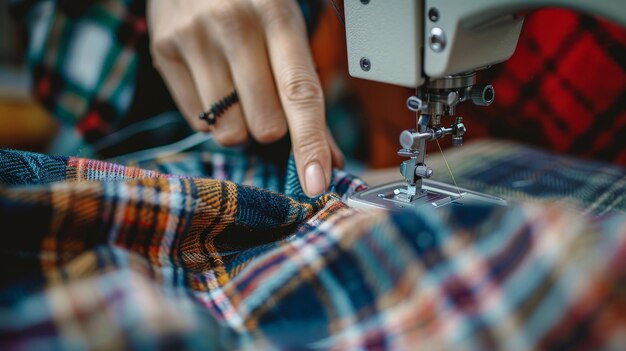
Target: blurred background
x=24 y=124
x=564 y=90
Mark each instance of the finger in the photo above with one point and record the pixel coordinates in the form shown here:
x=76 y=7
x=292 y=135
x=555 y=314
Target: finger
x=299 y=90
x=335 y=152
x=245 y=50
x=179 y=82
x=167 y=60
x=212 y=81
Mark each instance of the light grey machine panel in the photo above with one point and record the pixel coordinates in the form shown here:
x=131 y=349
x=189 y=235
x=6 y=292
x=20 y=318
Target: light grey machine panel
x=472 y=37
x=384 y=39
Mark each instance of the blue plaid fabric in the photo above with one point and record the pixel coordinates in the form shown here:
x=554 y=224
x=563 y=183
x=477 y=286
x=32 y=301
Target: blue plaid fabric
x=115 y=257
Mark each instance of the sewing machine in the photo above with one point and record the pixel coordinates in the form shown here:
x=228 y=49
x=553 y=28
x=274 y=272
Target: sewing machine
x=436 y=46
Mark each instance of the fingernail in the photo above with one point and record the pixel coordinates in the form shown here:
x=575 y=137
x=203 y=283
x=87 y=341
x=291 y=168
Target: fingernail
x=314 y=179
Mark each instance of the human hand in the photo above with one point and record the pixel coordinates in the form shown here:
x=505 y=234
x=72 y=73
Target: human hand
x=205 y=49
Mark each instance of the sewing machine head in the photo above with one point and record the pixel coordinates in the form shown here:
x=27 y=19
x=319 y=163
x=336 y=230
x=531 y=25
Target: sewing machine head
x=436 y=46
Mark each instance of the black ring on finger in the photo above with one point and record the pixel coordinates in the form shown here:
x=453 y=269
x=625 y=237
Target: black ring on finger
x=219 y=108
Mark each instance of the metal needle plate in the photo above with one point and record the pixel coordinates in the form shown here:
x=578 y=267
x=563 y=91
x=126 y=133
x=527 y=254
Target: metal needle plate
x=437 y=194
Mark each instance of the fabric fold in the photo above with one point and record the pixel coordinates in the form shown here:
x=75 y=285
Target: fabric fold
x=105 y=256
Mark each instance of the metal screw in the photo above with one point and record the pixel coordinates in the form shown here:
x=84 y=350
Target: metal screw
x=414 y=103
x=489 y=94
x=433 y=14
x=482 y=95
x=423 y=171
x=453 y=98
x=437 y=39
x=365 y=64
x=365 y=2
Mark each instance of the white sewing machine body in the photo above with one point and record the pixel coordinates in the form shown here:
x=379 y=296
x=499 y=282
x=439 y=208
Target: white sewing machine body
x=436 y=46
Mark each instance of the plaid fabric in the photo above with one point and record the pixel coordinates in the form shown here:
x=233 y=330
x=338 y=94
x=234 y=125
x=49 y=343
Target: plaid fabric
x=523 y=173
x=98 y=255
x=564 y=89
x=84 y=60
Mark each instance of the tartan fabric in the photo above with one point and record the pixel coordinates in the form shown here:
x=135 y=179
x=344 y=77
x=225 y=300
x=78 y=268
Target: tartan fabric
x=98 y=255
x=564 y=89
x=517 y=171
x=84 y=60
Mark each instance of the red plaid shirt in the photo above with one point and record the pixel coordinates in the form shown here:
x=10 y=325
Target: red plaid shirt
x=564 y=88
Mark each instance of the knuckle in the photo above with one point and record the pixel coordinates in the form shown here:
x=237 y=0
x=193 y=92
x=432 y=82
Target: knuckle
x=229 y=136
x=301 y=87
x=275 y=13
x=230 y=18
x=229 y=140
x=310 y=144
x=185 y=31
x=269 y=132
x=167 y=44
x=161 y=47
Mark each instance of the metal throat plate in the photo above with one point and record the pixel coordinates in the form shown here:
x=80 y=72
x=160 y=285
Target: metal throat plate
x=435 y=194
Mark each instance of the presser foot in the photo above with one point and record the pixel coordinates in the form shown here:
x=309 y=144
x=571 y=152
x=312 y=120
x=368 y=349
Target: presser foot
x=433 y=193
